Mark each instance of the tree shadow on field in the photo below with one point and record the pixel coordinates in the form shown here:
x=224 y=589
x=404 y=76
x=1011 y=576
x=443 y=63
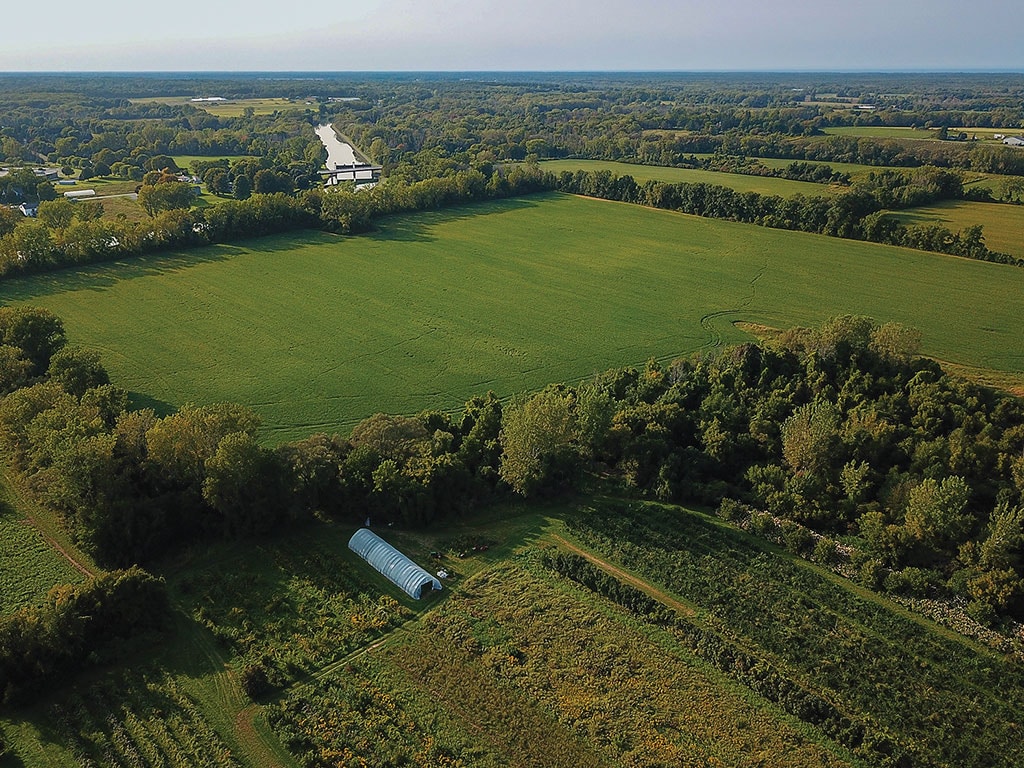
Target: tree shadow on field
x=418 y=227
x=139 y=400
x=104 y=275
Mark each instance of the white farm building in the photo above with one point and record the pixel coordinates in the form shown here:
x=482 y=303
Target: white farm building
x=391 y=563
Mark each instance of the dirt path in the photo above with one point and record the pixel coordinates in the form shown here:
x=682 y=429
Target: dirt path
x=22 y=508
x=621 y=575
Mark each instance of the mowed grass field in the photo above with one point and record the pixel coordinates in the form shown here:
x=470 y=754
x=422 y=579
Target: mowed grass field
x=764 y=185
x=1003 y=224
x=317 y=331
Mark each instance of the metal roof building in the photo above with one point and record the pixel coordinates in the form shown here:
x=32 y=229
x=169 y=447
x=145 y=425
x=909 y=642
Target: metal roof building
x=391 y=563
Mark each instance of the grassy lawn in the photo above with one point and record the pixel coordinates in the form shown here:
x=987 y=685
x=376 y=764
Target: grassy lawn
x=1003 y=224
x=29 y=566
x=316 y=331
x=763 y=185
x=185 y=161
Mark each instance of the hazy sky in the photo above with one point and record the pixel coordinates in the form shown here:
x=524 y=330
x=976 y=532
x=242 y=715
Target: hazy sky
x=338 y=35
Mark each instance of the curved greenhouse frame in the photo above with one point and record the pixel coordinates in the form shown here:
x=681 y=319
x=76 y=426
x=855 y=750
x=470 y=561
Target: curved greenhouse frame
x=391 y=563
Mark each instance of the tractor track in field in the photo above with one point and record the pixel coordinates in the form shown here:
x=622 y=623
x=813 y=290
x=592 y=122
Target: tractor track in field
x=658 y=594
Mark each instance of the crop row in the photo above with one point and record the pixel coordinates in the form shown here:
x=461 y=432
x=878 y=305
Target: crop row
x=872 y=659
x=138 y=722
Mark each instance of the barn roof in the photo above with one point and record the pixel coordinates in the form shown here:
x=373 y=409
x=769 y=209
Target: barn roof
x=398 y=568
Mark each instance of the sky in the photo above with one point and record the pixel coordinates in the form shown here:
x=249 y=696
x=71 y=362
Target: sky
x=516 y=35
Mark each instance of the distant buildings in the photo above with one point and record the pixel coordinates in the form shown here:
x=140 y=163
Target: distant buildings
x=1013 y=141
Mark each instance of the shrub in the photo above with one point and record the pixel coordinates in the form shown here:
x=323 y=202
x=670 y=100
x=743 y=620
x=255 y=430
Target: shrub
x=796 y=538
x=731 y=510
x=825 y=552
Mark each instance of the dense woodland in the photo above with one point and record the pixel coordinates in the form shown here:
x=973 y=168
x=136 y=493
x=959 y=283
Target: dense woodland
x=839 y=441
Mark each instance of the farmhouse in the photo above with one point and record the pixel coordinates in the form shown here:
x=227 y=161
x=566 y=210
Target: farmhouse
x=391 y=563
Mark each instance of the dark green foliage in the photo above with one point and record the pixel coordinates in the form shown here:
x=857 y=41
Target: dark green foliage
x=837 y=430
x=36 y=332
x=82 y=625
x=77 y=370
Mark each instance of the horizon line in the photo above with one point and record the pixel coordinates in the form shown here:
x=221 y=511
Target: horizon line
x=638 y=71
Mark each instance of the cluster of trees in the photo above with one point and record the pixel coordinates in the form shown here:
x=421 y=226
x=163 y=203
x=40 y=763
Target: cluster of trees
x=23 y=185
x=816 y=173
x=841 y=430
x=676 y=149
x=76 y=627
x=859 y=213
x=132 y=485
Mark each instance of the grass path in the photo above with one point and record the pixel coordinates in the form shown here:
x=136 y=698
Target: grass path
x=646 y=587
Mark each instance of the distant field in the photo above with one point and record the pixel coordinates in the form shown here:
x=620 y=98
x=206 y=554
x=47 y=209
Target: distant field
x=854 y=169
x=185 y=161
x=317 y=332
x=233 y=107
x=882 y=132
x=1003 y=224
x=763 y=185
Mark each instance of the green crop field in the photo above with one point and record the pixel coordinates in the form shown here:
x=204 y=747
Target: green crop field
x=317 y=331
x=764 y=185
x=711 y=648
x=1003 y=224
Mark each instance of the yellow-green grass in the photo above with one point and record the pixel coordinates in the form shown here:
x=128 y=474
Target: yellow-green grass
x=520 y=668
x=994 y=181
x=1003 y=224
x=237 y=107
x=883 y=132
x=764 y=185
x=316 y=331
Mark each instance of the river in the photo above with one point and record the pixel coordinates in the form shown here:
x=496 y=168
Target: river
x=338 y=152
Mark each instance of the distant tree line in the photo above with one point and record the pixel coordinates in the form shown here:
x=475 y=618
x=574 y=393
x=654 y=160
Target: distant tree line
x=69 y=233
x=859 y=213
x=75 y=233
